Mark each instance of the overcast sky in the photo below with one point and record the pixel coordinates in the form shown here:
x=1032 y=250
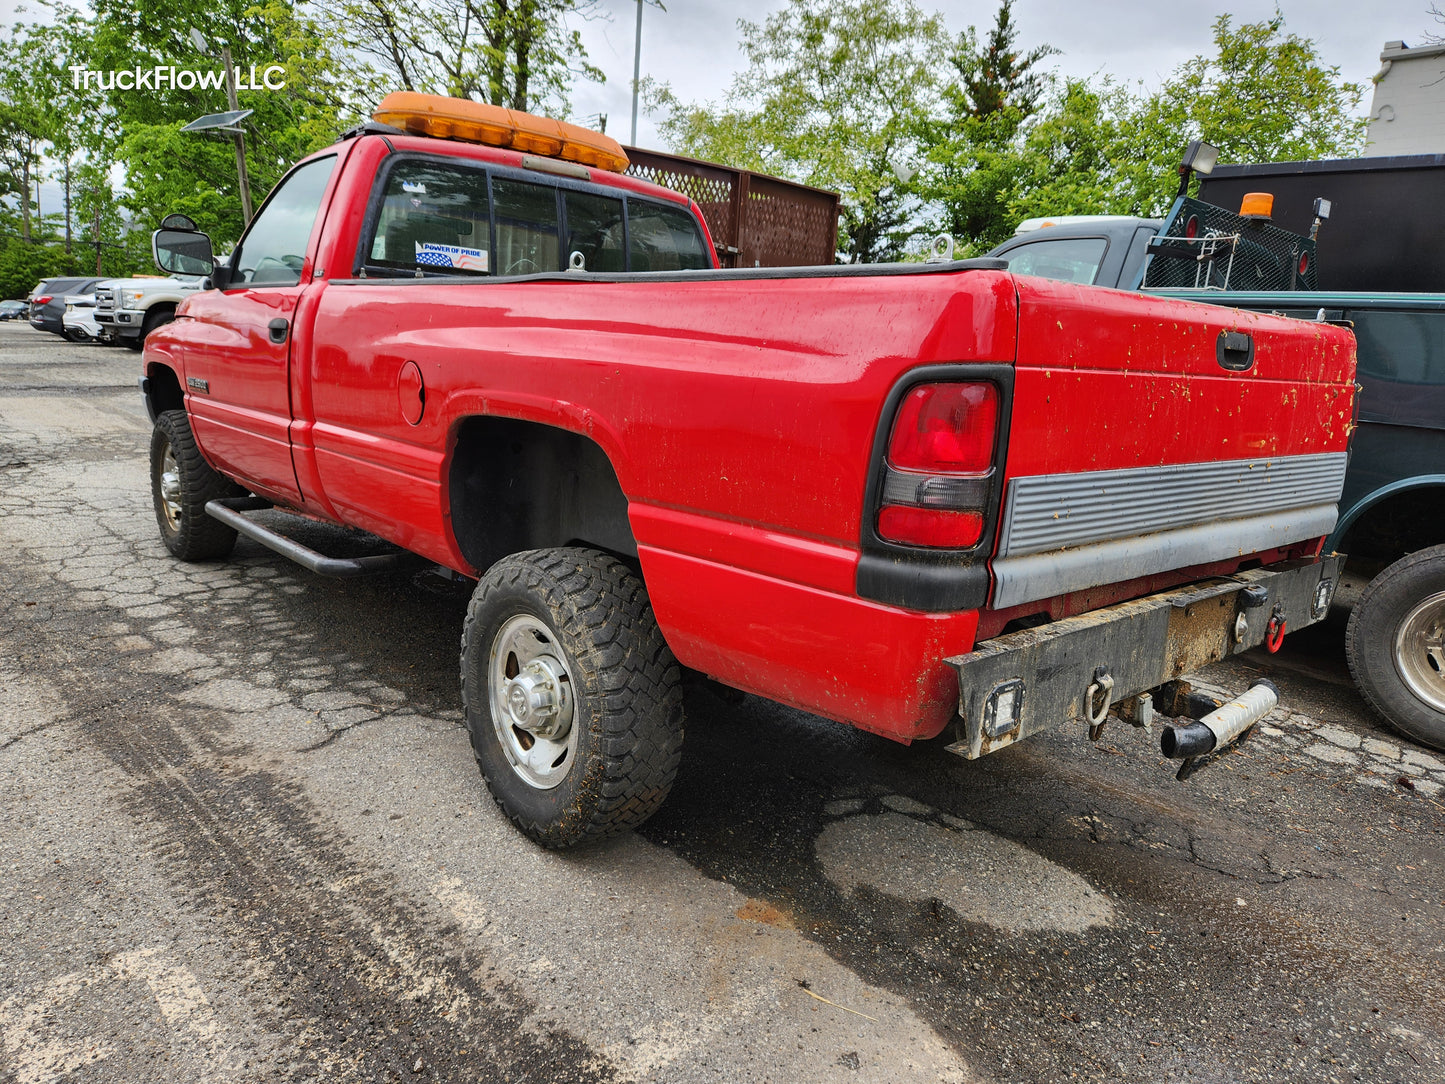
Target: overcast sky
x=693 y=45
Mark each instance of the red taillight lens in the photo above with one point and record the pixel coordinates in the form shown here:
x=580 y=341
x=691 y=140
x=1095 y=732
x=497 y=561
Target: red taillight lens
x=929 y=527
x=1304 y=262
x=945 y=429
x=1191 y=228
x=43 y=300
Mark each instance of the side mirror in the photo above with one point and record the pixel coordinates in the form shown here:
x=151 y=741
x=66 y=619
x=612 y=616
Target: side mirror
x=183 y=252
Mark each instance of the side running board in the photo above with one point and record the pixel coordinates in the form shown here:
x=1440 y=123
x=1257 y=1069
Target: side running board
x=229 y=510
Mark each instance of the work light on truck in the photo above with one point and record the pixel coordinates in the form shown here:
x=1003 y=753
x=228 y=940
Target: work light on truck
x=940 y=457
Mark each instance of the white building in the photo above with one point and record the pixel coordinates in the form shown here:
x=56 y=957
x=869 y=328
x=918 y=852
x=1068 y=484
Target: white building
x=1407 y=115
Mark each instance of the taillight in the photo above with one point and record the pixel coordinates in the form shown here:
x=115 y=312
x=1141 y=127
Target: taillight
x=940 y=466
x=1191 y=228
x=44 y=300
x=1304 y=262
x=945 y=429
x=930 y=526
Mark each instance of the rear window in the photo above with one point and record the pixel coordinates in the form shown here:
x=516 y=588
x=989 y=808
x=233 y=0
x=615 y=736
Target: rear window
x=433 y=215
x=455 y=218
x=665 y=239
x=1067 y=259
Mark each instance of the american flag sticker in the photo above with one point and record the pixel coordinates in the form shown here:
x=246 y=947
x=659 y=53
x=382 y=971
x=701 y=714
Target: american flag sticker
x=466 y=259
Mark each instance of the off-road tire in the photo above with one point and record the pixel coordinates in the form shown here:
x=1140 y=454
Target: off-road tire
x=625 y=686
x=185 y=528
x=1380 y=664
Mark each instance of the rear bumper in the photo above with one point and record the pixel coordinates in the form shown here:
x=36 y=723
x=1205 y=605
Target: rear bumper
x=1016 y=685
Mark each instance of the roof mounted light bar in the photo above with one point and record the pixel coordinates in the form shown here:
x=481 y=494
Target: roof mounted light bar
x=478 y=122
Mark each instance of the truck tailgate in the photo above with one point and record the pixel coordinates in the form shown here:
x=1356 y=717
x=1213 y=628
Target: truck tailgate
x=1149 y=435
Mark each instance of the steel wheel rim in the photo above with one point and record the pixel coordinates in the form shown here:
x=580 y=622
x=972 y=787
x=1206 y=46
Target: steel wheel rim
x=532 y=702
x=171 y=489
x=1420 y=651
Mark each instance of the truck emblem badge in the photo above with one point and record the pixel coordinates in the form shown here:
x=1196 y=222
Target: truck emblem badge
x=195 y=383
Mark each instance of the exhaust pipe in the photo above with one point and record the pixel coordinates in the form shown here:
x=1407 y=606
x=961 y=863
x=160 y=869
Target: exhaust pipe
x=1219 y=728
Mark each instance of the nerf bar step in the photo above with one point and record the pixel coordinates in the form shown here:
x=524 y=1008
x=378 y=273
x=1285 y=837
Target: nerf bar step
x=229 y=509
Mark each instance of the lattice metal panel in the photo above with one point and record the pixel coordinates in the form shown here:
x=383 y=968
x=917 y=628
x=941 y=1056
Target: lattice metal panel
x=755 y=220
x=1203 y=246
x=785 y=225
x=713 y=188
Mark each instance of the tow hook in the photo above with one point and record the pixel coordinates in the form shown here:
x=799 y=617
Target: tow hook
x=1274 y=631
x=1098 y=698
x=1221 y=729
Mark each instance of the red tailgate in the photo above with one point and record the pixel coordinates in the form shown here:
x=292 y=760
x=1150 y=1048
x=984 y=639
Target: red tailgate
x=1150 y=435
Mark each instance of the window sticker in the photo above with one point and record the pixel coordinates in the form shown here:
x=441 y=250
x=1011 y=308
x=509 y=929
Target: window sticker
x=429 y=254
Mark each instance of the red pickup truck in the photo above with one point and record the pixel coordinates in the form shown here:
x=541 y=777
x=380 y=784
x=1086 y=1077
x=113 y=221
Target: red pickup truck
x=904 y=497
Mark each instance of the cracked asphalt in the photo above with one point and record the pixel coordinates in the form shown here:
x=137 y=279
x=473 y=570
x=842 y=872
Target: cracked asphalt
x=243 y=839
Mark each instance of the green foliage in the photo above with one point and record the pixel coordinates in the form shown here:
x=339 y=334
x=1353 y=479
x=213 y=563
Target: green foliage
x=22 y=265
x=167 y=170
x=834 y=95
x=971 y=156
x=522 y=54
x=1263 y=95
x=32 y=114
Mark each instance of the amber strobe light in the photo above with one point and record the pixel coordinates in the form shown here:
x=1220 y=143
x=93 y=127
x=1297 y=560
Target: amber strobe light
x=478 y=122
x=1257 y=205
x=940 y=462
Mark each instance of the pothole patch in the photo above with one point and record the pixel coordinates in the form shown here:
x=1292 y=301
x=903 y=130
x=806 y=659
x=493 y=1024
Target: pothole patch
x=981 y=876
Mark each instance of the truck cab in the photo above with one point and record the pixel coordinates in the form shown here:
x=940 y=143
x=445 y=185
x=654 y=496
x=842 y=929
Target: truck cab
x=1095 y=250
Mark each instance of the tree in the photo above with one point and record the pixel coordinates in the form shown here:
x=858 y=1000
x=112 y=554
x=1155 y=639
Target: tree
x=27 y=122
x=166 y=170
x=1095 y=146
x=833 y=95
x=1263 y=96
x=972 y=164
x=522 y=54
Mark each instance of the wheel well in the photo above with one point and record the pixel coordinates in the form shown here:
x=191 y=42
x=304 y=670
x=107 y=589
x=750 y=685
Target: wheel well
x=165 y=390
x=519 y=485
x=1399 y=524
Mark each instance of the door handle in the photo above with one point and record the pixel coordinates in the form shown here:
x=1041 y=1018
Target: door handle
x=278 y=329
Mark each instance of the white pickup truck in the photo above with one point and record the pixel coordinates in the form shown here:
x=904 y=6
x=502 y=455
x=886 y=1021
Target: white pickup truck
x=128 y=310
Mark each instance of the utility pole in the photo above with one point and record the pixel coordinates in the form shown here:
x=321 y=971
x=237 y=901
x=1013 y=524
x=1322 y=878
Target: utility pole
x=240 y=139
x=67 y=205
x=636 y=72
x=98 y=271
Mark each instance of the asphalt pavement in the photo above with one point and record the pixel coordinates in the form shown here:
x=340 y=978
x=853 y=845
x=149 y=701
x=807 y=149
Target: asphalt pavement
x=244 y=839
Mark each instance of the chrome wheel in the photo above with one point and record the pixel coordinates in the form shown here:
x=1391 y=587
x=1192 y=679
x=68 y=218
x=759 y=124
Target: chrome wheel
x=1420 y=651
x=532 y=701
x=171 y=489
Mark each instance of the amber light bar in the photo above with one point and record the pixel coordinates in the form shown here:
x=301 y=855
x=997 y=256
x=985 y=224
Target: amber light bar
x=478 y=122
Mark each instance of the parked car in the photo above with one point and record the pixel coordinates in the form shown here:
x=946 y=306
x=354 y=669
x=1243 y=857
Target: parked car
x=14 y=310
x=79 y=320
x=47 y=306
